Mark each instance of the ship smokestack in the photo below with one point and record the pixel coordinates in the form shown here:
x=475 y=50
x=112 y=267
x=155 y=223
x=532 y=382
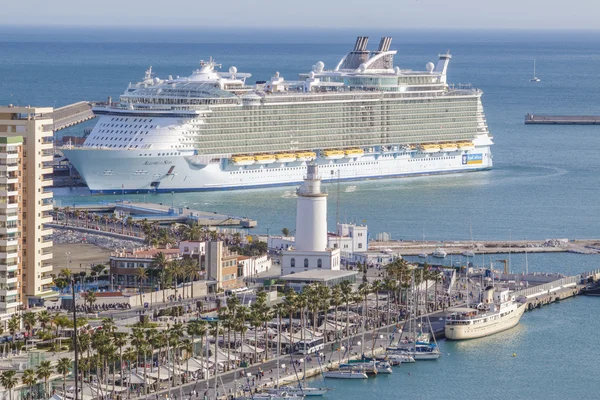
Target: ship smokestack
x=361 y=43
x=384 y=44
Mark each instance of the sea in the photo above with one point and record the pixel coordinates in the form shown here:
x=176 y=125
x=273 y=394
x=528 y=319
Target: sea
x=544 y=183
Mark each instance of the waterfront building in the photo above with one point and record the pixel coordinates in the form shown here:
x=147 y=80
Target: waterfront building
x=123 y=265
x=311 y=249
x=26 y=153
x=223 y=268
x=252 y=266
x=349 y=238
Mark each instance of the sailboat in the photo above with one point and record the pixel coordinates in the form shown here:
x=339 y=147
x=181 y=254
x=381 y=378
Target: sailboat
x=422 y=254
x=469 y=252
x=535 y=78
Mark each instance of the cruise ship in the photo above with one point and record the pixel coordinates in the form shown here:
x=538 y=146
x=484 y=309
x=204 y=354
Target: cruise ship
x=498 y=312
x=363 y=118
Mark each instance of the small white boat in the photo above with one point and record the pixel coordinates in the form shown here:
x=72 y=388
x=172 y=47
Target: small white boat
x=383 y=367
x=400 y=358
x=300 y=391
x=468 y=253
x=345 y=374
x=439 y=253
x=271 y=396
x=423 y=255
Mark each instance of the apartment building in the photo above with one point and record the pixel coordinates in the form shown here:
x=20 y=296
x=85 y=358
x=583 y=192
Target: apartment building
x=26 y=154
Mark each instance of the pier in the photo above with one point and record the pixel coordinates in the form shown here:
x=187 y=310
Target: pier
x=457 y=247
x=562 y=119
x=166 y=214
x=72 y=114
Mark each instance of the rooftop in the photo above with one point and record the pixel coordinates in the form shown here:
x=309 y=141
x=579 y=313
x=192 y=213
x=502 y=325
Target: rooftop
x=148 y=253
x=323 y=275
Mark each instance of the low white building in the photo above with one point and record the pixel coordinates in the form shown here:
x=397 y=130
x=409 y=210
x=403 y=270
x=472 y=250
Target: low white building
x=349 y=238
x=374 y=257
x=280 y=242
x=254 y=265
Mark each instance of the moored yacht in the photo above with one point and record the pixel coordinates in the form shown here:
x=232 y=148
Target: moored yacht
x=499 y=311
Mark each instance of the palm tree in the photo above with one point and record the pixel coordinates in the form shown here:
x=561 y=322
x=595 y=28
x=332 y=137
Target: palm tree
x=85 y=215
x=279 y=310
x=346 y=293
x=90 y=297
x=120 y=340
x=130 y=224
x=160 y=264
x=9 y=381
x=290 y=307
x=64 y=367
x=43 y=318
x=335 y=301
x=175 y=271
x=76 y=213
x=130 y=355
x=141 y=274
x=44 y=371
x=14 y=324
x=190 y=268
x=29 y=321
x=29 y=378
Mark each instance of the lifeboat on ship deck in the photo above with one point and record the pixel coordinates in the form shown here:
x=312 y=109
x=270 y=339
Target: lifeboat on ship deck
x=306 y=156
x=243 y=160
x=333 y=154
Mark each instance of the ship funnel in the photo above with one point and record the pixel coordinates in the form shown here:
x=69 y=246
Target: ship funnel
x=361 y=43
x=488 y=295
x=384 y=44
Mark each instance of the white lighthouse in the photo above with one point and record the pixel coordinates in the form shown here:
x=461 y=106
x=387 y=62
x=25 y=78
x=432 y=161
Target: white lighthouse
x=311 y=213
x=310 y=251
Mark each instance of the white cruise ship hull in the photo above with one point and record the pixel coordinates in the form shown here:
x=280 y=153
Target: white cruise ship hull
x=474 y=331
x=133 y=171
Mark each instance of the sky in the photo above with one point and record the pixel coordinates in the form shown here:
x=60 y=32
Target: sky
x=267 y=14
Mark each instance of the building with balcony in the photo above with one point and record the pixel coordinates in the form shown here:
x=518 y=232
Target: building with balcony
x=26 y=135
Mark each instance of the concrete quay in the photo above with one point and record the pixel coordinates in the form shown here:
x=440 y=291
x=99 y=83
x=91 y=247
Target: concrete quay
x=415 y=247
x=72 y=114
x=166 y=214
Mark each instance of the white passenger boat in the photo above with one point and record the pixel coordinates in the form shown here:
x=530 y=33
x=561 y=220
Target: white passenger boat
x=498 y=312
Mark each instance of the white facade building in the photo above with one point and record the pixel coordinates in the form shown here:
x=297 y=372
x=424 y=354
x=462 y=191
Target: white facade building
x=254 y=265
x=311 y=250
x=350 y=239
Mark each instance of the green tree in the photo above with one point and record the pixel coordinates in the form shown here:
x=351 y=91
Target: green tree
x=285 y=232
x=44 y=318
x=14 y=324
x=64 y=367
x=141 y=275
x=29 y=321
x=90 y=297
x=9 y=381
x=29 y=379
x=44 y=371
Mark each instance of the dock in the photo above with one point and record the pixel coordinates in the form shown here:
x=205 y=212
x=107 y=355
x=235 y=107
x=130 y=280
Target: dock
x=166 y=214
x=562 y=119
x=457 y=247
x=72 y=114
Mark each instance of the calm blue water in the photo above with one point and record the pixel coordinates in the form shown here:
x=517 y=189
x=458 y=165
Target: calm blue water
x=545 y=182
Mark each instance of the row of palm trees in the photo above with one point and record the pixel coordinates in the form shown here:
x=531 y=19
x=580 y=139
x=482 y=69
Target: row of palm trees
x=84 y=217
x=31 y=377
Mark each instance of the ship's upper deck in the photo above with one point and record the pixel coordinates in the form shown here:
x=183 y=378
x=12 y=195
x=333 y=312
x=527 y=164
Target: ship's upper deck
x=360 y=74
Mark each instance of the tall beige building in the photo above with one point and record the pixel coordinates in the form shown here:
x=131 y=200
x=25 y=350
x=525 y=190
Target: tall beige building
x=26 y=152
